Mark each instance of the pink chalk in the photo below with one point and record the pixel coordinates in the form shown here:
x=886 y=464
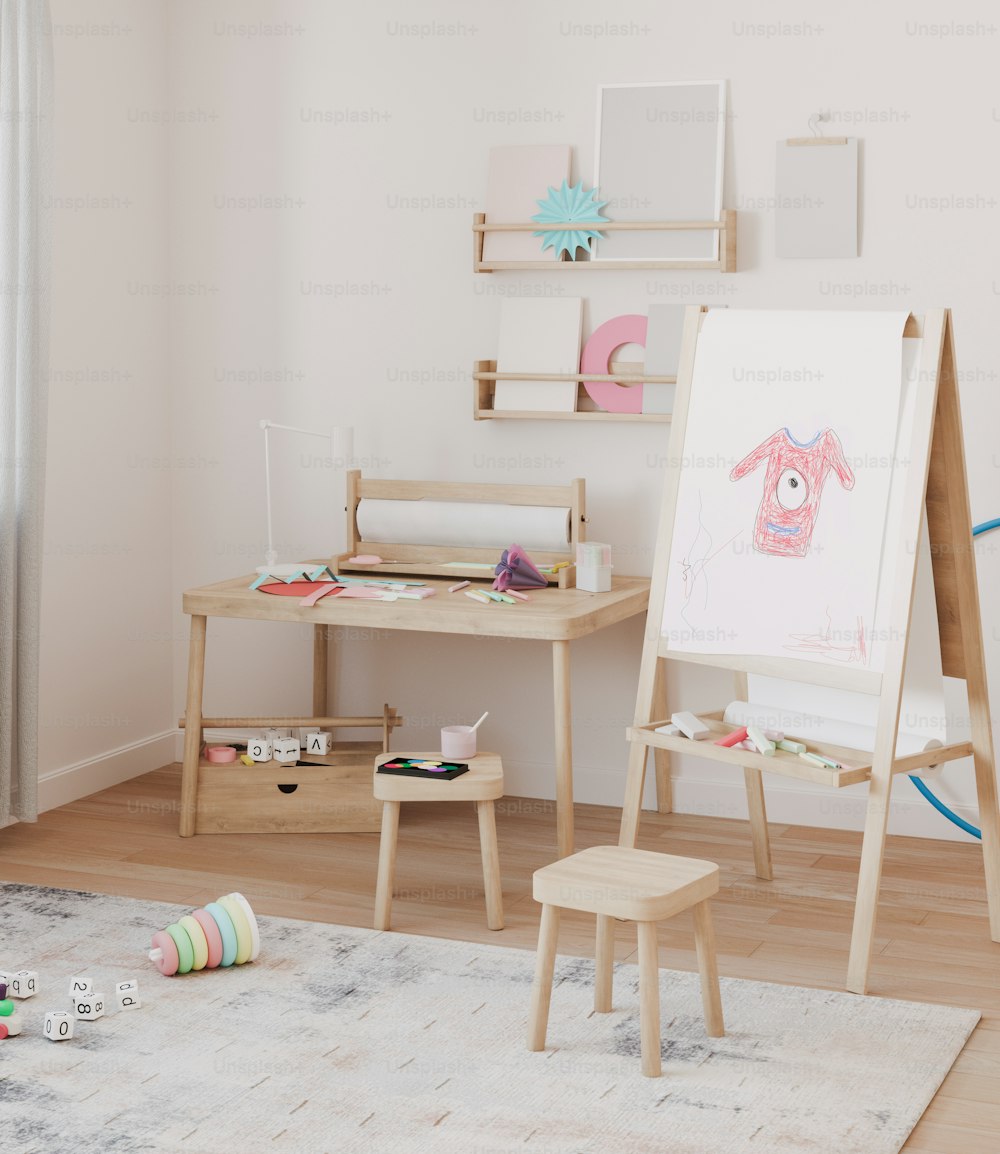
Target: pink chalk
x=734 y=738
x=221 y=754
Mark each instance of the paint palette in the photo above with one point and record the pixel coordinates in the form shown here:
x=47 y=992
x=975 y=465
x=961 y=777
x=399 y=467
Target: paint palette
x=430 y=767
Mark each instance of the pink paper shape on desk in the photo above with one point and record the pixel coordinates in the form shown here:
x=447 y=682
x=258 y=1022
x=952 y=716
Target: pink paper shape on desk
x=597 y=353
x=517 y=571
x=316 y=590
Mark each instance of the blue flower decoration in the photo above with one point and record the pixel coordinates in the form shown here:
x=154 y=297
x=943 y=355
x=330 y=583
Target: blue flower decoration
x=573 y=206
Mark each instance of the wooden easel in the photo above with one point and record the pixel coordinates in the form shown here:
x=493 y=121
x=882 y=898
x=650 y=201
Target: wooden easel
x=936 y=480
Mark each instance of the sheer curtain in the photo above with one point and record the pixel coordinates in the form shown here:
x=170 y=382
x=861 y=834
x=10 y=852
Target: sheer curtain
x=25 y=197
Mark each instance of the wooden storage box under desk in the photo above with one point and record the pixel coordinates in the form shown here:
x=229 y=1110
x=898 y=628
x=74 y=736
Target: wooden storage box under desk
x=331 y=794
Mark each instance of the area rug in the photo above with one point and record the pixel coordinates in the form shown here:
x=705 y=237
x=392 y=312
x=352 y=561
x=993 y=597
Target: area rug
x=341 y=1040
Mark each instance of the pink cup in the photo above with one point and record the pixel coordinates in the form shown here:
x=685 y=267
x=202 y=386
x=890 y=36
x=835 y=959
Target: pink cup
x=458 y=742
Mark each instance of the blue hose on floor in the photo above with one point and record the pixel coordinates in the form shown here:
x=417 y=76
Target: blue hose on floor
x=921 y=785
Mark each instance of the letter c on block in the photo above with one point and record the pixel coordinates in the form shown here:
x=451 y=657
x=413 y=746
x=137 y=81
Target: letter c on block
x=597 y=353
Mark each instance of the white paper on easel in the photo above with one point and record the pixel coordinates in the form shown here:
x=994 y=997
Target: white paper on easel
x=784 y=486
x=923 y=711
x=520 y=176
x=539 y=336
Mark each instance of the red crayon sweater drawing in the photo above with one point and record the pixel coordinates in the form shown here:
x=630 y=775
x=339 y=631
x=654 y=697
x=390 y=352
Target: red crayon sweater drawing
x=793 y=485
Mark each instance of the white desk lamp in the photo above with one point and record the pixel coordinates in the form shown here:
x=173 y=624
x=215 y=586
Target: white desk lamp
x=342 y=434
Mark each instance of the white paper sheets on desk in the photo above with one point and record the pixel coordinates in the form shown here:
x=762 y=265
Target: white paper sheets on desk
x=786 y=471
x=464 y=524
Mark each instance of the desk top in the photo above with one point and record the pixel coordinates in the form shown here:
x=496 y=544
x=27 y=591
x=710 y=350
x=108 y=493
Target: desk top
x=552 y=614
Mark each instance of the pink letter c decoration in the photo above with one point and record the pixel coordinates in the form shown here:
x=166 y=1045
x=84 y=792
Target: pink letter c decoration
x=597 y=353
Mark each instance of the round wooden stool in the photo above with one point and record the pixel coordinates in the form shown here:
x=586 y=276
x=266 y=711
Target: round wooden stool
x=639 y=886
x=483 y=784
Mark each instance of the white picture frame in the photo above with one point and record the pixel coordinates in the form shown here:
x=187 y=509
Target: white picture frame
x=660 y=155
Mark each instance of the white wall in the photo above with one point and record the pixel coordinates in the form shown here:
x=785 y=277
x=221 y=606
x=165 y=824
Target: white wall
x=347 y=298
x=106 y=656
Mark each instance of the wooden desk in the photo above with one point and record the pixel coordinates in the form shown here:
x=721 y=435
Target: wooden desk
x=557 y=616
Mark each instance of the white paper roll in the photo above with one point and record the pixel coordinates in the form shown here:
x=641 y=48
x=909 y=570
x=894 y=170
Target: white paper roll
x=464 y=524
x=806 y=726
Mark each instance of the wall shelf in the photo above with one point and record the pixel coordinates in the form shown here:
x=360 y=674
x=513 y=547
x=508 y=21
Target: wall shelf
x=485 y=376
x=725 y=227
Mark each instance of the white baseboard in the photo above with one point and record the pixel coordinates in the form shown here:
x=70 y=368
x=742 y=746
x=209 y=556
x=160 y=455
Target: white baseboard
x=71 y=782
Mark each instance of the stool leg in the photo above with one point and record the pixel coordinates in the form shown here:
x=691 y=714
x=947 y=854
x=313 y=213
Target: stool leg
x=491 y=864
x=704 y=936
x=541 y=990
x=604 y=959
x=649 y=999
x=386 y=864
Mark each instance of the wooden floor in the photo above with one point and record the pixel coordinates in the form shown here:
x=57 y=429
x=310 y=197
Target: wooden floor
x=932 y=944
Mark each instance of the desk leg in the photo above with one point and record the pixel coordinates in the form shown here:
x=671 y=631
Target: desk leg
x=320 y=670
x=192 y=725
x=563 y=713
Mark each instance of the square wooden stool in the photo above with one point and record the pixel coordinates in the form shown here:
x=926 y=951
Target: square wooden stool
x=483 y=784
x=639 y=886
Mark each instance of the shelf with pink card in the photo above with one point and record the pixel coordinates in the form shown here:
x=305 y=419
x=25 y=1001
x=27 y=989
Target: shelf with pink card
x=485 y=376
x=725 y=226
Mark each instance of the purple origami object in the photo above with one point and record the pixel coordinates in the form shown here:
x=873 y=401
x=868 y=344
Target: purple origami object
x=517 y=571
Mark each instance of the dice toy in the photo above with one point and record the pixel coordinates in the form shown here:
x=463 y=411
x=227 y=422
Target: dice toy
x=89 y=1007
x=23 y=984
x=318 y=742
x=59 y=1026
x=286 y=749
x=127 y=995
x=259 y=748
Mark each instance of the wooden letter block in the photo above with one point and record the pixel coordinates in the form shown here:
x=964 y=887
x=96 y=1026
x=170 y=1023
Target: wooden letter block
x=59 y=1026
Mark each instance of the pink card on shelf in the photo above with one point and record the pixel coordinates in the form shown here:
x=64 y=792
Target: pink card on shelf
x=520 y=176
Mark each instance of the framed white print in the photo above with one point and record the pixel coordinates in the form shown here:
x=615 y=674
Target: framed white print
x=659 y=157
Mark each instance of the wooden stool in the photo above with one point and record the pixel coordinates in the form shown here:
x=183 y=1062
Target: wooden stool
x=482 y=784
x=639 y=886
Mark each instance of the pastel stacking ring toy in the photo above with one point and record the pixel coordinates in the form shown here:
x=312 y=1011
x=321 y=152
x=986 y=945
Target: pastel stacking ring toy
x=199 y=943
x=251 y=918
x=210 y=928
x=227 y=930
x=164 y=953
x=244 y=942
x=185 y=951
x=224 y=933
